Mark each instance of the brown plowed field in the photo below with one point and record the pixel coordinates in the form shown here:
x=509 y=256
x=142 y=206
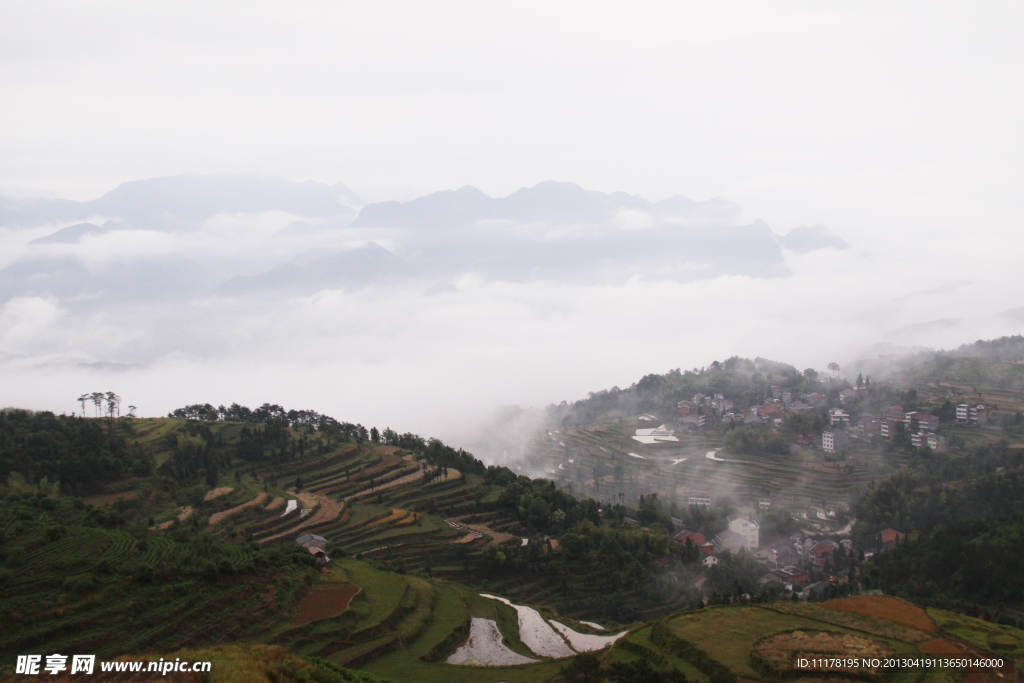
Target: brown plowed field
x=214 y=493
x=327 y=511
x=324 y=603
x=887 y=608
x=110 y=498
x=218 y=517
x=396 y=514
x=940 y=646
x=405 y=479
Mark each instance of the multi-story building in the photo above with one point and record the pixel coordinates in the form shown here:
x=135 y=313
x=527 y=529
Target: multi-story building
x=838 y=416
x=721 y=405
x=730 y=540
x=971 y=415
x=835 y=441
x=921 y=422
x=868 y=426
x=933 y=441
x=746 y=527
x=893 y=413
x=704 y=498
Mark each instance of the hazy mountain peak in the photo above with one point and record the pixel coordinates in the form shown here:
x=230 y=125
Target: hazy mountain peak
x=71 y=234
x=805 y=239
x=189 y=198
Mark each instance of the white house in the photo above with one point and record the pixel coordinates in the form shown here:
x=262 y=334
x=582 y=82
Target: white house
x=699 y=498
x=838 y=416
x=747 y=528
x=968 y=414
x=709 y=561
x=835 y=441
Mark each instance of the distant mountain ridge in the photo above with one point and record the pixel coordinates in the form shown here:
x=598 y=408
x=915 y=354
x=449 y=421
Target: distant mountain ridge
x=548 y=201
x=553 y=231
x=172 y=200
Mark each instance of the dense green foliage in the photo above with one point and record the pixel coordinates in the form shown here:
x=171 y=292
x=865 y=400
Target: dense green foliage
x=965 y=520
x=619 y=562
x=738 y=572
x=663 y=637
x=538 y=505
x=586 y=668
x=975 y=561
x=74 y=577
x=756 y=440
x=81 y=454
x=988 y=481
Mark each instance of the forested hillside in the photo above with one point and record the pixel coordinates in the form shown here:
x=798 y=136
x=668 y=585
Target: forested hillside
x=191 y=525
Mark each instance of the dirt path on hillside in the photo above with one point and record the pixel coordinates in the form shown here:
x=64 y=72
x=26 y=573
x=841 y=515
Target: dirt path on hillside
x=218 y=517
x=328 y=510
x=276 y=503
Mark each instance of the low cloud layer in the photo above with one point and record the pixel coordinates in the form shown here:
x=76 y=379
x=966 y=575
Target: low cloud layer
x=430 y=319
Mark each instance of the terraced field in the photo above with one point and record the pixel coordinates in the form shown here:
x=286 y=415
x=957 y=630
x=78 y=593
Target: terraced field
x=671 y=468
x=74 y=594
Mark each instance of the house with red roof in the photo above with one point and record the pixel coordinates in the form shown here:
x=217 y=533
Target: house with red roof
x=890 y=536
x=691 y=536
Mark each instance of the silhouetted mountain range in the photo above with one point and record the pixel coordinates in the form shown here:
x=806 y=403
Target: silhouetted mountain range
x=553 y=231
x=549 y=201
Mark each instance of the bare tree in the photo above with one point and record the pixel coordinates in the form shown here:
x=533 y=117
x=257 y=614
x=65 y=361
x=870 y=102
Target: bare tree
x=82 y=399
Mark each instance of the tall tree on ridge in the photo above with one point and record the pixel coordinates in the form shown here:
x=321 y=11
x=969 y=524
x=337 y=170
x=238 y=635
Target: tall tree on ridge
x=113 y=404
x=97 y=400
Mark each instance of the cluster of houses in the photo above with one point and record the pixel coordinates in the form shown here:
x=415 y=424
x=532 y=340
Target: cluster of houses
x=791 y=561
x=743 y=533
x=704 y=411
x=920 y=426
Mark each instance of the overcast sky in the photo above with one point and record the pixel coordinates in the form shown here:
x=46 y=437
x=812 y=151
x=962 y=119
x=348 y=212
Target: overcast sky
x=838 y=113
x=896 y=125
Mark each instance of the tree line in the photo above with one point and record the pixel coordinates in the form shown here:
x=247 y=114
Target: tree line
x=82 y=455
